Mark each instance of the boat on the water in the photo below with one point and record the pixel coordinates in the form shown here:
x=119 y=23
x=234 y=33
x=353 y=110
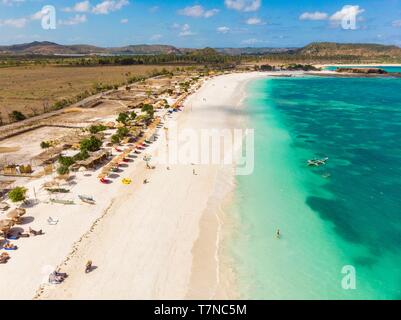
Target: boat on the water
x=317 y=162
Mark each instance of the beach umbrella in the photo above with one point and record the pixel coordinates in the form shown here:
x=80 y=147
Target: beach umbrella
x=102 y=176
x=13 y=215
x=6 y=224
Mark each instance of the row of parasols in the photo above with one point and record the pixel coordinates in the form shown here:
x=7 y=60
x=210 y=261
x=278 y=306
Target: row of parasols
x=13 y=217
x=109 y=168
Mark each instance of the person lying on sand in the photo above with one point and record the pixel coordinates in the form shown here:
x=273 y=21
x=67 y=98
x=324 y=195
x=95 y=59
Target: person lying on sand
x=57 y=277
x=35 y=233
x=9 y=246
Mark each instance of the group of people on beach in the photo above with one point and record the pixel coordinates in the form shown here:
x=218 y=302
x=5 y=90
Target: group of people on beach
x=9 y=246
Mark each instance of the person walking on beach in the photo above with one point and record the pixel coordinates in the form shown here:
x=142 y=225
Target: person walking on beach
x=88 y=266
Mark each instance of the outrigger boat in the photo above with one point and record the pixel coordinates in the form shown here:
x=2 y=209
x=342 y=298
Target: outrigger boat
x=65 y=202
x=317 y=162
x=86 y=199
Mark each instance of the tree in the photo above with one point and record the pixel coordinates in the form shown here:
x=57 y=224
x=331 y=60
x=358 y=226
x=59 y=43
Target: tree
x=63 y=170
x=148 y=108
x=45 y=144
x=83 y=155
x=18 y=194
x=91 y=145
x=17 y=116
x=122 y=117
x=133 y=115
x=66 y=161
x=122 y=132
x=97 y=128
x=115 y=138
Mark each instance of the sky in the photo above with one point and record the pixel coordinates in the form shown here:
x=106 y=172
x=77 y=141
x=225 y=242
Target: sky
x=202 y=23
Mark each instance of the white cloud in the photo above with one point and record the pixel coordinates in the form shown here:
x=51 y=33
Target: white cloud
x=77 y=19
x=186 y=31
x=254 y=21
x=243 y=5
x=15 y=23
x=108 y=6
x=11 y=2
x=156 y=37
x=38 y=15
x=397 y=23
x=198 y=11
x=223 y=29
x=124 y=21
x=346 y=12
x=83 y=6
x=317 y=15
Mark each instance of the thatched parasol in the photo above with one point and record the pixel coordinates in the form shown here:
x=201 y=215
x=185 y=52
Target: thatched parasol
x=5 y=225
x=16 y=214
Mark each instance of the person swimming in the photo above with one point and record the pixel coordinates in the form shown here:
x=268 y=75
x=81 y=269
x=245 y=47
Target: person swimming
x=278 y=234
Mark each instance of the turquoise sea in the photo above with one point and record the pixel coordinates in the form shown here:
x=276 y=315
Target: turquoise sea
x=347 y=213
x=388 y=69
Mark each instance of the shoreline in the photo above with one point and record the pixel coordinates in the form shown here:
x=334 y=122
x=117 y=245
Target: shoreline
x=216 y=280
x=360 y=65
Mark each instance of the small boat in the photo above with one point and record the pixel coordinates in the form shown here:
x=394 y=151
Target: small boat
x=57 y=190
x=65 y=202
x=87 y=199
x=317 y=162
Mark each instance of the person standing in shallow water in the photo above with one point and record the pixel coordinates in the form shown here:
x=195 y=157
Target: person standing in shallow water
x=278 y=234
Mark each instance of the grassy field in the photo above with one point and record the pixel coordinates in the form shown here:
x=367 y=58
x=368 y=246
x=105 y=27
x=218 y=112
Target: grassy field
x=29 y=89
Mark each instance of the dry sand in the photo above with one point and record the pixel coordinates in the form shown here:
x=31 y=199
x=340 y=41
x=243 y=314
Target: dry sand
x=155 y=241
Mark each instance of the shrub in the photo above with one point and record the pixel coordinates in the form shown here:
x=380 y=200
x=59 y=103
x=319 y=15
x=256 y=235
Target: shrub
x=148 y=108
x=122 y=118
x=66 y=161
x=133 y=115
x=122 y=132
x=115 y=138
x=97 y=128
x=17 y=116
x=45 y=144
x=63 y=170
x=83 y=155
x=18 y=194
x=91 y=145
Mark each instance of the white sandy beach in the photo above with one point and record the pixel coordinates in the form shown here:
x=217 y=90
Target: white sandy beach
x=154 y=241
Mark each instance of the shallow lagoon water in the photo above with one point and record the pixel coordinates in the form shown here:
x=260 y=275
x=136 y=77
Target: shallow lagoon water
x=347 y=213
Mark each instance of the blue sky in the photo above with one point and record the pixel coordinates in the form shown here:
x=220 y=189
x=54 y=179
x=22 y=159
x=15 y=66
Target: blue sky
x=191 y=23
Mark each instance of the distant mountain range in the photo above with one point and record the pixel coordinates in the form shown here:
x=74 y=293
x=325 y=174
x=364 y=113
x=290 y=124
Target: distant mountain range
x=51 y=48
x=321 y=49
x=362 y=50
